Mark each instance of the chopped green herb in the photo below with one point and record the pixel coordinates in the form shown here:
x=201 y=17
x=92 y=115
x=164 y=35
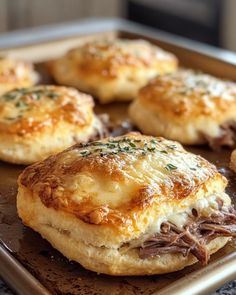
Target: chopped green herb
x=124 y=145
x=111 y=145
x=21 y=104
x=85 y=153
x=153 y=141
x=151 y=149
x=35 y=93
x=172 y=146
x=164 y=152
x=9 y=96
x=170 y=167
x=132 y=144
x=98 y=150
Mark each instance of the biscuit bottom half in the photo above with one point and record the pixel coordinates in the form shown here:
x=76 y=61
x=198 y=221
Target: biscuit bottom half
x=53 y=226
x=27 y=150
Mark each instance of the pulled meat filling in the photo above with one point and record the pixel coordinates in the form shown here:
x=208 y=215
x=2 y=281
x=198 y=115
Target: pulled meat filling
x=227 y=137
x=192 y=238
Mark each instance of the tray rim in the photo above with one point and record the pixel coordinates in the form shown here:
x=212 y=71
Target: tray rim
x=33 y=36
x=17 y=276
x=53 y=32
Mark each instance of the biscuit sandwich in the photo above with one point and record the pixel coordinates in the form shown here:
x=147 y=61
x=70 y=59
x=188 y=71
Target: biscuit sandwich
x=112 y=70
x=190 y=107
x=39 y=121
x=129 y=205
x=16 y=74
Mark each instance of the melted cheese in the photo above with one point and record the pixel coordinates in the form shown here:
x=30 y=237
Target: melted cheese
x=112 y=69
x=27 y=110
x=204 y=206
x=112 y=54
x=132 y=181
x=187 y=94
x=15 y=74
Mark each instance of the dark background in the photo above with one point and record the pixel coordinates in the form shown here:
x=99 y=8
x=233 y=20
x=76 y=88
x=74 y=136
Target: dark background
x=208 y=21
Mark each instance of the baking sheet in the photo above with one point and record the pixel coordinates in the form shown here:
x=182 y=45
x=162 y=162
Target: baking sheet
x=63 y=277
x=53 y=270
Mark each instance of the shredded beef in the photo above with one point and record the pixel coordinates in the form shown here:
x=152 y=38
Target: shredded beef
x=227 y=137
x=193 y=238
x=114 y=128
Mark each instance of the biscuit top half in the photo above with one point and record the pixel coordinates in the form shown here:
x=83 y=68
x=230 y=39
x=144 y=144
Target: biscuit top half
x=107 y=58
x=186 y=94
x=25 y=111
x=15 y=71
x=124 y=182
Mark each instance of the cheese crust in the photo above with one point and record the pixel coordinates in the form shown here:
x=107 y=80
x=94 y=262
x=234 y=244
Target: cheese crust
x=107 y=193
x=16 y=74
x=112 y=70
x=42 y=120
x=186 y=106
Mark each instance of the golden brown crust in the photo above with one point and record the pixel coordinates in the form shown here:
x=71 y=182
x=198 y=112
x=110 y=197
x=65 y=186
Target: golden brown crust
x=187 y=94
x=94 y=202
x=39 y=121
x=66 y=237
x=106 y=57
x=151 y=172
x=112 y=69
x=29 y=110
x=15 y=74
x=186 y=106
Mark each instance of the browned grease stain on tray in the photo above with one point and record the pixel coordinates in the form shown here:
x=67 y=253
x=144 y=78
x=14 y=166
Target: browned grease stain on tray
x=63 y=277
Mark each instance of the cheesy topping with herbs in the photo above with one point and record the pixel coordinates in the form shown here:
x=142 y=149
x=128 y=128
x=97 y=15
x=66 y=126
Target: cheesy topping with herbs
x=15 y=73
x=108 y=56
x=187 y=106
x=123 y=182
x=39 y=121
x=186 y=93
x=112 y=69
x=28 y=110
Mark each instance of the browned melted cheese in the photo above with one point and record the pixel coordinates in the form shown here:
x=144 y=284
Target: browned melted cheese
x=105 y=58
x=15 y=73
x=12 y=71
x=28 y=110
x=187 y=94
x=114 y=180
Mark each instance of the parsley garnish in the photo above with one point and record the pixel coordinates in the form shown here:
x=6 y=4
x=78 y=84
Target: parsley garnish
x=124 y=145
x=36 y=93
x=163 y=152
x=170 y=167
x=21 y=104
x=172 y=146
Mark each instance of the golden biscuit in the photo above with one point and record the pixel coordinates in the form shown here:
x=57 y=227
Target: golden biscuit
x=190 y=107
x=112 y=70
x=15 y=74
x=129 y=205
x=42 y=120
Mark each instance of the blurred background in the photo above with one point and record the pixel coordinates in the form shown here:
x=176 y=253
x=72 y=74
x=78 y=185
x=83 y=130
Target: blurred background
x=208 y=21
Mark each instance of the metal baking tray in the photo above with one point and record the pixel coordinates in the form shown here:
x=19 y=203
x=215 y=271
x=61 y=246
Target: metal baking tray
x=27 y=262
